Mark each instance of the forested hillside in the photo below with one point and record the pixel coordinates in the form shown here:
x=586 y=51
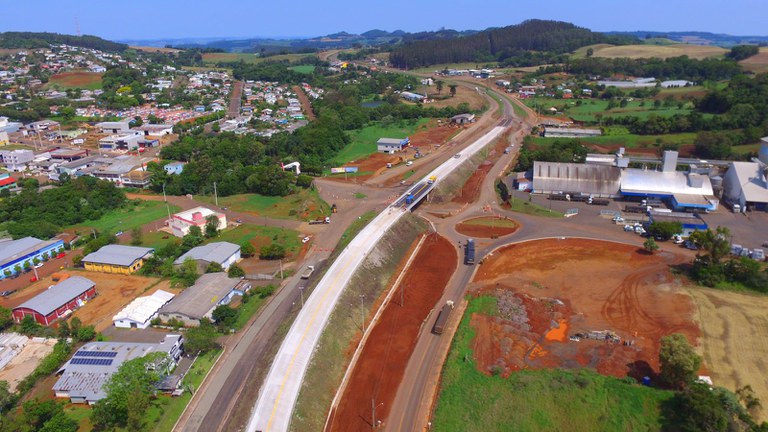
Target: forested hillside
x=44 y=40
x=508 y=45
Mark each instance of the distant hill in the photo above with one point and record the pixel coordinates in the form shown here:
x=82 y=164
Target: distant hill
x=29 y=40
x=698 y=38
x=532 y=41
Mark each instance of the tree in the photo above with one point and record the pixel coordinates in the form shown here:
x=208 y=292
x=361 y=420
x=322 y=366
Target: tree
x=273 y=251
x=439 y=85
x=665 y=230
x=235 y=271
x=216 y=127
x=7 y=398
x=6 y=318
x=224 y=315
x=679 y=363
x=214 y=267
x=137 y=121
x=650 y=245
x=85 y=334
x=247 y=250
x=136 y=235
x=29 y=326
x=200 y=339
x=187 y=273
x=211 y=225
x=128 y=393
x=452 y=88
x=590 y=52
x=716 y=244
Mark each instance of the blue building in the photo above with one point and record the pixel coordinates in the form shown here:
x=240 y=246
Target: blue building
x=16 y=252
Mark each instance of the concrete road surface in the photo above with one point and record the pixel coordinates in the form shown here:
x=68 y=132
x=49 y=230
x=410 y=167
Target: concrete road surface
x=281 y=388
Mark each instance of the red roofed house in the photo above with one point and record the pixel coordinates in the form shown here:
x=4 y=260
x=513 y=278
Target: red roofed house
x=182 y=222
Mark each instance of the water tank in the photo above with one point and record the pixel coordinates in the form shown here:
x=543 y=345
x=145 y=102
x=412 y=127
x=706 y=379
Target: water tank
x=763 y=154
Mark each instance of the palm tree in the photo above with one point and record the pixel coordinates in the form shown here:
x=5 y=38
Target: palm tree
x=439 y=85
x=453 y=89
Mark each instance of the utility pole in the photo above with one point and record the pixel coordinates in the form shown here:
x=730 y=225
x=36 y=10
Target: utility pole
x=164 y=198
x=373 y=412
x=215 y=194
x=362 y=312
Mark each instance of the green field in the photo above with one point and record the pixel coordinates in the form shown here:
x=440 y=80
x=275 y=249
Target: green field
x=620 y=136
x=544 y=400
x=213 y=58
x=247 y=232
x=75 y=79
x=128 y=217
x=659 y=50
x=589 y=109
x=364 y=140
x=304 y=69
x=304 y=204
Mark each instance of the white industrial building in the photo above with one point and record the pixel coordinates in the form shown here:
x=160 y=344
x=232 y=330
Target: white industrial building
x=139 y=313
x=745 y=184
x=558 y=132
x=182 y=222
x=224 y=253
x=117 y=127
x=16 y=160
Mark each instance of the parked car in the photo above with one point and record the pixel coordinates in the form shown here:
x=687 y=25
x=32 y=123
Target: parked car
x=758 y=255
x=6 y=293
x=305 y=239
x=457 y=155
x=690 y=245
x=677 y=239
x=38 y=265
x=409 y=163
x=628 y=228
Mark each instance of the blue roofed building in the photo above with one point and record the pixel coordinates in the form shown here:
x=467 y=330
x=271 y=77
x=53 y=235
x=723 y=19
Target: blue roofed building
x=15 y=253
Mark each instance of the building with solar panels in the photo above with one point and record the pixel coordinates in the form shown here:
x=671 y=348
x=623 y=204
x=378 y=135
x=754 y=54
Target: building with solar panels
x=84 y=375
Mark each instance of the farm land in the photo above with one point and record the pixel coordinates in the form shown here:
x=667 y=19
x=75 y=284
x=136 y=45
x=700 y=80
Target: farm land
x=75 y=79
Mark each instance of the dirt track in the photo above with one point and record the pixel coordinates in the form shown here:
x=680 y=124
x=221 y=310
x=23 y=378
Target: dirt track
x=381 y=365
x=551 y=289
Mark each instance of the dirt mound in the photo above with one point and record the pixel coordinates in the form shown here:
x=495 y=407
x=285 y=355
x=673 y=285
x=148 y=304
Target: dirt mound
x=431 y=134
x=487 y=227
x=619 y=311
x=382 y=363
x=371 y=166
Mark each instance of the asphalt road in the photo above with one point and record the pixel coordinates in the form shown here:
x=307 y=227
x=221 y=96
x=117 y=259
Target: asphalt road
x=279 y=393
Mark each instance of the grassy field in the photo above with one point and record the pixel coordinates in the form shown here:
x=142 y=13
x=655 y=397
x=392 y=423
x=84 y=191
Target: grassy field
x=520 y=205
x=364 y=140
x=247 y=232
x=544 y=400
x=491 y=222
x=615 y=136
x=213 y=58
x=75 y=79
x=304 y=204
x=746 y=149
x=651 y=51
x=129 y=217
x=589 y=109
x=305 y=69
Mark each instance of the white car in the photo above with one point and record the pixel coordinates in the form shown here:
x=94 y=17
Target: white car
x=305 y=239
x=38 y=265
x=409 y=163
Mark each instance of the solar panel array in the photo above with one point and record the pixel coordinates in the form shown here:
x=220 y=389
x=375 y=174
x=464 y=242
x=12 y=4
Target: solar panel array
x=106 y=354
x=91 y=361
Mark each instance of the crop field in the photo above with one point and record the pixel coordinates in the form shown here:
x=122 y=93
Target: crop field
x=129 y=217
x=364 y=140
x=650 y=51
x=757 y=63
x=76 y=79
x=734 y=340
x=212 y=58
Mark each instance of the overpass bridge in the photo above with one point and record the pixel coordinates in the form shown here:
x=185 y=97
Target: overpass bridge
x=277 y=397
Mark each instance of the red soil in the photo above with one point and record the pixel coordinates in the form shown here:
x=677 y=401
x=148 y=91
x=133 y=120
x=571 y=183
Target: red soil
x=582 y=286
x=432 y=134
x=382 y=363
x=469 y=229
x=471 y=189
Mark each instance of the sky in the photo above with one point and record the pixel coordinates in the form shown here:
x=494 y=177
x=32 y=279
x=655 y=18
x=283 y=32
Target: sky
x=179 y=19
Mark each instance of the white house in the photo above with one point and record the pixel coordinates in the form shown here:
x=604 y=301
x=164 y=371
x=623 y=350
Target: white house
x=182 y=222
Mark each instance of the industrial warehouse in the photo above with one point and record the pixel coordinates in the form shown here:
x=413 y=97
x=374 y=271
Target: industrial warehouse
x=684 y=191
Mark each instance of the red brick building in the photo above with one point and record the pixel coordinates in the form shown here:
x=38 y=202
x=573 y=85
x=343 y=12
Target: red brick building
x=58 y=301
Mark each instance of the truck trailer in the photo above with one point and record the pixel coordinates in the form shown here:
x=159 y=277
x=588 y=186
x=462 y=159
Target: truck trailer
x=442 y=318
x=469 y=252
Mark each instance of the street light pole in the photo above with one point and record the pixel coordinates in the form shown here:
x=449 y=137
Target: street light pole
x=362 y=312
x=373 y=412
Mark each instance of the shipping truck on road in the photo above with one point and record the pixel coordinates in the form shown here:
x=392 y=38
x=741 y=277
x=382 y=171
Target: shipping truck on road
x=432 y=179
x=409 y=198
x=320 y=220
x=442 y=318
x=469 y=252
x=308 y=272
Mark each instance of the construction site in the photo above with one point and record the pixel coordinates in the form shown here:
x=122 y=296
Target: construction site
x=549 y=315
